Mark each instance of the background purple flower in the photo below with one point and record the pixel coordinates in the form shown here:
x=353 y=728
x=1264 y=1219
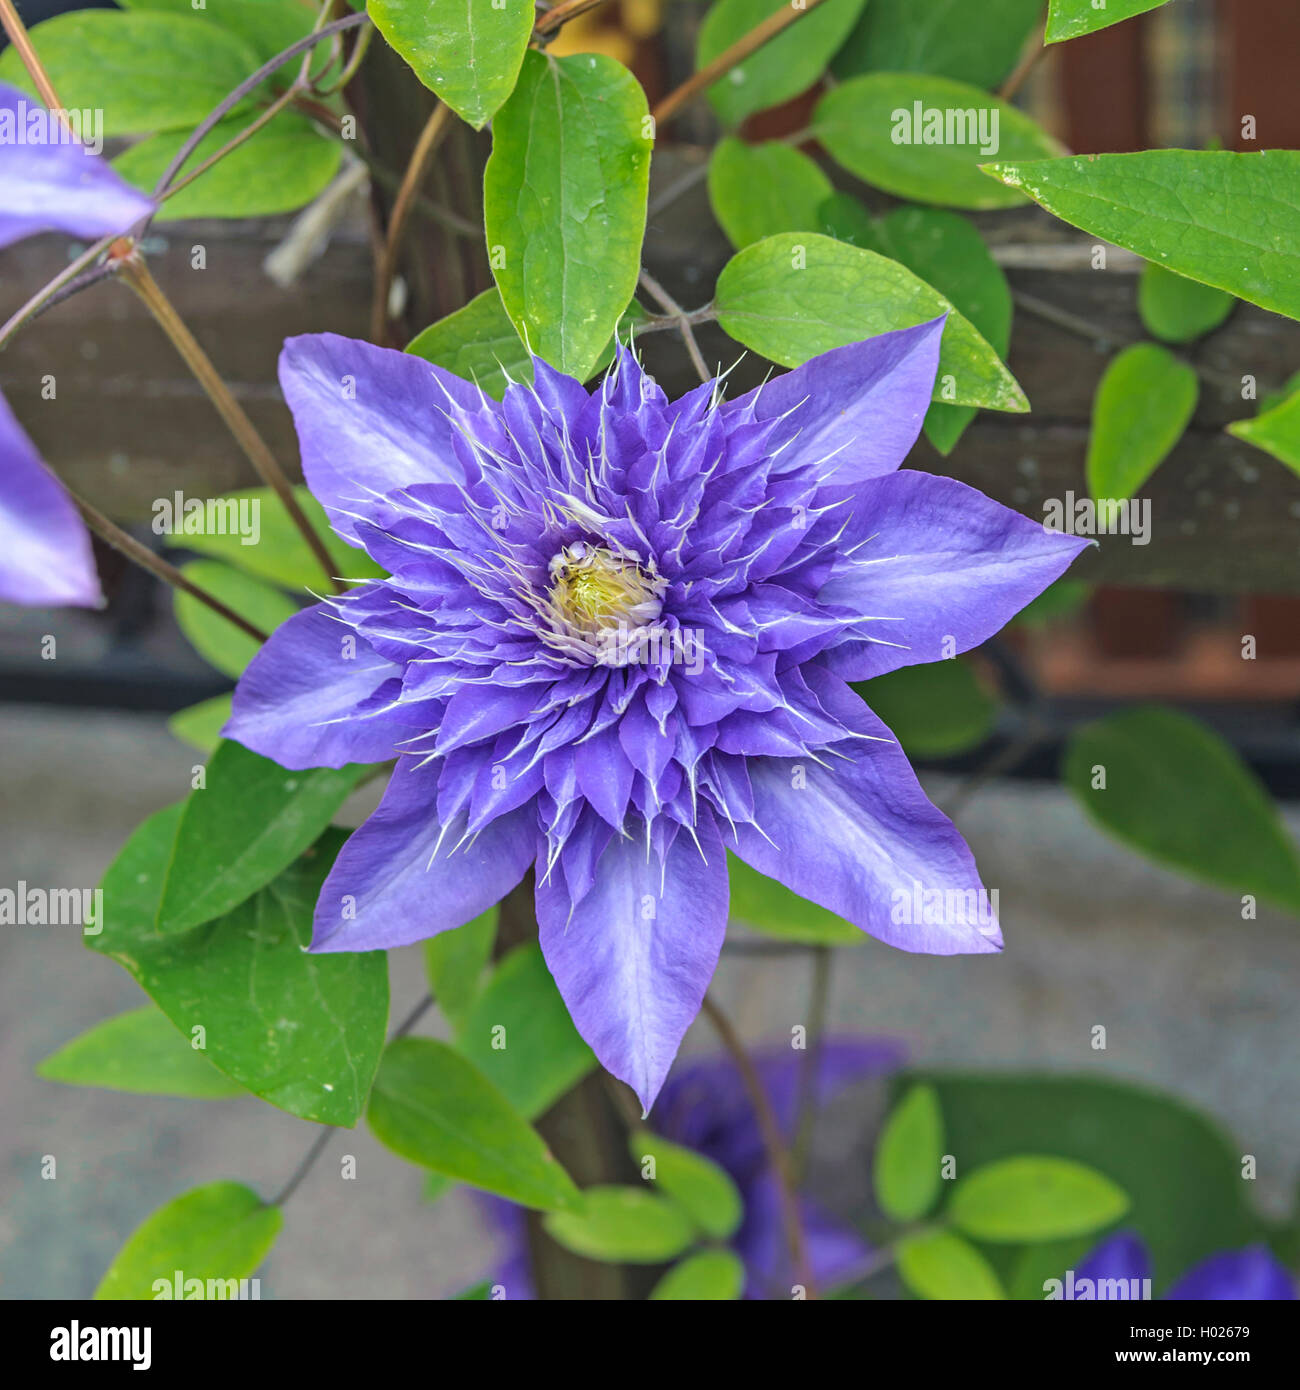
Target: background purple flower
x=554 y=559
x=704 y=1106
x=1252 y=1274
x=45 y=552
x=49 y=183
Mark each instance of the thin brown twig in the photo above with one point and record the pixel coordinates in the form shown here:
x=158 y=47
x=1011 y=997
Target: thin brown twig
x=141 y=555
x=426 y=146
x=563 y=13
x=18 y=36
x=777 y=1154
x=805 y=1123
x=137 y=275
x=41 y=299
x=681 y=318
x=1033 y=53
x=251 y=129
x=729 y=58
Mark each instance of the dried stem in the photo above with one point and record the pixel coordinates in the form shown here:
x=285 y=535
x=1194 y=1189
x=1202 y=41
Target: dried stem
x=435 y=130
x=249 y=84
x=1033 y=53
x=18 y=36
x=141 y=555
x=45 y=295
x=681 y=318
x=563 y=13
x=777 y=1154
x=810 y=1067
x=137 y=275
x=729 y=58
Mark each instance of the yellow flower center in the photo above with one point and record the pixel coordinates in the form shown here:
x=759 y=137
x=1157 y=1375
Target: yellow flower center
x=594 y=591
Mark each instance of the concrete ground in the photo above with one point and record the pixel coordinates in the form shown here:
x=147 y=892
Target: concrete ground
x=1193 y=999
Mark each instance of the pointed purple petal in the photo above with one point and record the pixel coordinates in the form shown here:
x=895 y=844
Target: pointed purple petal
x=861 y=838
x=400 y=879
x=939 y=568
x=854 y=412
x=634 y=960
x=371 y=421
x=1252 y=1275
x=297 y=701
x=1121 y=1256
x=57 y=187
x=45 y=554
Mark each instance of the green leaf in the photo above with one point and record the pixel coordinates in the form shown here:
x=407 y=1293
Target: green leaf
x=479 y=344
x=140 y=1052
x=935 y=710
x=1182 y=1174
x=200 y=725
x=1068 y=19
x=869 y=125
x=518 y=1033
x=256 y=534
x=222 y=1231
x=250 y=821
x=1144 y=402
x=476 y=1293
x=908 y=1156
x=710 y=1276
x=1175 y=792
x=1035 y=1197
x=756 y=190
x=215 y=639
x=434 y=1108
x=1058 y=600
x=625 y=1225
x=941 y=1265
x=303 y=1032
x=792 y=296
x=468 y=51
x=1276 y=431
x=772 y=909
x=454 y=962
x=784 y=66
x=268 y=26
x=1176 y=309
x=1220 y=218
x=565 y=203
x=145 y=72
x=843 y=217
x=703 y=1190
x=281 y=168
x=947 y=252
x=1271 y=399
x=953 y=38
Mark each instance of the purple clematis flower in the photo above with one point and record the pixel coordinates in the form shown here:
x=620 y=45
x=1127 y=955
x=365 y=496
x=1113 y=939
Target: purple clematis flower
x=704 y=1107
x=45 y=554
x=1252 y=1274
x=616 y=642
x=48 y=183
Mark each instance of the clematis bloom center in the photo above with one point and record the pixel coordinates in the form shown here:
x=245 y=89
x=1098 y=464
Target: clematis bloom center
x=594 y=590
